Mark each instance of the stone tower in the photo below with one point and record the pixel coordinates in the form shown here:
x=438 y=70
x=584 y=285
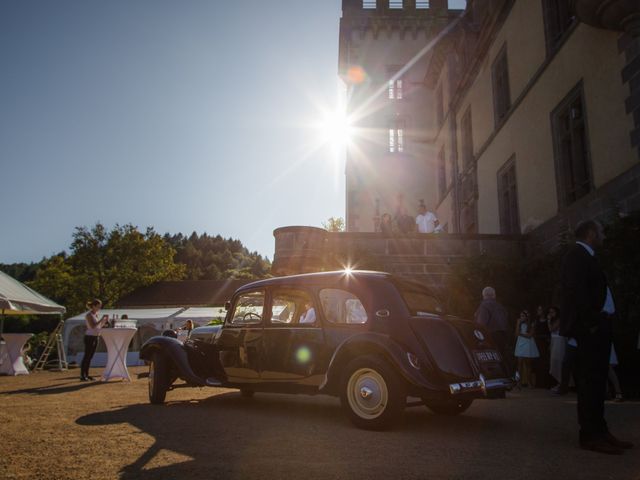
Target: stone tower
x=383 y=59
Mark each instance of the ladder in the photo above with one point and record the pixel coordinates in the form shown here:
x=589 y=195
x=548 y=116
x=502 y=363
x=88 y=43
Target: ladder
x=55 y=341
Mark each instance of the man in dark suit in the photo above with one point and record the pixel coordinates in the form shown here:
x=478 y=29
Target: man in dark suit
x=588 y=311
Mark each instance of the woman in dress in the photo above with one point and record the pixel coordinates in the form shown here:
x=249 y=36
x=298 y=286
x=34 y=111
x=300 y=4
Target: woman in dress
x=613 y=378
x=526 y=348
x=91 y=336
x=557 y=348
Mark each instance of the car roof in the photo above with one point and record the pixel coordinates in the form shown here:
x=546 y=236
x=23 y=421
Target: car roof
x=317 y=278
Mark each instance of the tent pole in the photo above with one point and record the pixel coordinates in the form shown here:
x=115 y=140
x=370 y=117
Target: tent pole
x=2 y=323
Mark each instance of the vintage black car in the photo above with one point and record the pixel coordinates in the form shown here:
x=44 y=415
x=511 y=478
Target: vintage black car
x=371 y=338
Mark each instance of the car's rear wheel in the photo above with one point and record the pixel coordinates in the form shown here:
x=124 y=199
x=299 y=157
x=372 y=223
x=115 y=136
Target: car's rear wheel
x=452 y=406
x=158 y=378
x=372 y=394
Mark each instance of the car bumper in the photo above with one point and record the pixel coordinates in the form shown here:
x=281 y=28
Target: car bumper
x=481 y=385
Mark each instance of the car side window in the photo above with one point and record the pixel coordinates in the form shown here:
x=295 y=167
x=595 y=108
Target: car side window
x=342 y=307
x=289 y=306
x=248 y=309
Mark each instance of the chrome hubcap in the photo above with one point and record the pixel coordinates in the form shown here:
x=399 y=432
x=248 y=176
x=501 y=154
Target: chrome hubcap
x=367 y=393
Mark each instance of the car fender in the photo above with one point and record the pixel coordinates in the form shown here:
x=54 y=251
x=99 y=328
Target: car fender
x=175 y=351
x=371 y=343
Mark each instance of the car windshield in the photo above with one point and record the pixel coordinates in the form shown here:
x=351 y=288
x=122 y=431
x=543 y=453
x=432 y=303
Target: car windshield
x=418 y=298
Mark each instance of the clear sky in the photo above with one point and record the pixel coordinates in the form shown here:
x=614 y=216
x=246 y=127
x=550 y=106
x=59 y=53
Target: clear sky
x=183 y=115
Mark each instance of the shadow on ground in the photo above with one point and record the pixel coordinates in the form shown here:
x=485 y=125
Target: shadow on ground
x=268 y=435
x=55 y=389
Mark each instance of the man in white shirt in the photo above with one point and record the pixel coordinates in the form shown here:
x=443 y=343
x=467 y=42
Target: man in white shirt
x=309 y=316
x=426 y=220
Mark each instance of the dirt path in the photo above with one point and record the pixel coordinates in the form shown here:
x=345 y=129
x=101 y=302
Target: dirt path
x=53 y=426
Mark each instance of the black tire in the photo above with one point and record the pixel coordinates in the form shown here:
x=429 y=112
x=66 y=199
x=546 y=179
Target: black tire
x=372 y=393
x=247 y=393
x=450 y=407
x=159 y=380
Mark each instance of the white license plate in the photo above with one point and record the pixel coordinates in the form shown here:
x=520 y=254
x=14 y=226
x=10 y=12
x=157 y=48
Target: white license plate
x=488 y=356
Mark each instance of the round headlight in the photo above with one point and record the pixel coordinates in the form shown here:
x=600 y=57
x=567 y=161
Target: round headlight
x=413 y=360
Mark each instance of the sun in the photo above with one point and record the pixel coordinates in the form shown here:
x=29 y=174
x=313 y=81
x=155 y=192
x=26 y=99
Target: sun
x=335 y=129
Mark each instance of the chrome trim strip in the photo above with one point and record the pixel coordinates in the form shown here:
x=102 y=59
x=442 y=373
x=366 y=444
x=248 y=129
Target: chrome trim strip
x=480 y=385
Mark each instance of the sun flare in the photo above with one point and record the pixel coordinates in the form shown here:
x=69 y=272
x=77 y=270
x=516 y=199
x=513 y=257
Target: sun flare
x=335 y=129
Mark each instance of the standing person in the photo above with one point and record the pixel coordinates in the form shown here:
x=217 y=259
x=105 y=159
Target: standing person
x=426 y=220
x=403 y=220
x=557 y=347
x=526 y=349
x=543 y=340
x=91 y=336
x=588 y=310
x=386 y=227
x=613 y=378
x=493 y=316
x=188 y=326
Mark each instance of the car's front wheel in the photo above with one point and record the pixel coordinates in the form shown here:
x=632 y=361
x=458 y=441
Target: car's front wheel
x=372 y=394
x=158 y=378
x=452 y=406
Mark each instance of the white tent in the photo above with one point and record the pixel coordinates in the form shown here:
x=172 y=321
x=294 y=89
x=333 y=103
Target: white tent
x=18 y=299
x=149 y=321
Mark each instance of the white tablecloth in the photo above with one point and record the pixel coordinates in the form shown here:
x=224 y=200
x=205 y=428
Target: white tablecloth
x=117 y=342
x=11 y=354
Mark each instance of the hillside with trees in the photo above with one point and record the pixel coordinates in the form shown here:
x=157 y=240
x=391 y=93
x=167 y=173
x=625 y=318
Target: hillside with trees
x=109 y=264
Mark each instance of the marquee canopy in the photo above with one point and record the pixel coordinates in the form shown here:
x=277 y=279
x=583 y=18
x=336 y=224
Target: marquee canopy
x=18 y=299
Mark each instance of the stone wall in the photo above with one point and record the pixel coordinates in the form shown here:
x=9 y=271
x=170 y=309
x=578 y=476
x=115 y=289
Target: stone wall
x=424 y=257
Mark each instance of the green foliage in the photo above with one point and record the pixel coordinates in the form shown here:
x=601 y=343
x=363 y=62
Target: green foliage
x=23 y=272
x=106 y=265
x=334 y=224
x=523 y=283
x=209 y=257
x=621 y=259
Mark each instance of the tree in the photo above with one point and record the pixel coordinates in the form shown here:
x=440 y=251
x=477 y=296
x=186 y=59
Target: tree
x=107 y=265
x=334 y=224
x=209 y=257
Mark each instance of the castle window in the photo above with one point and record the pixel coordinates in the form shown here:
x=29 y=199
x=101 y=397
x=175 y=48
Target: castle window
x=571 y=148
x=500 y=79
x=466 y=140
x=558 y=18
x=396 y=135
x=508 y=198
x=422 y=5
x=369 y=4
x=395 y=4
x=442 y=175
x=395 y=89
x=396 y=140
x=439 y=106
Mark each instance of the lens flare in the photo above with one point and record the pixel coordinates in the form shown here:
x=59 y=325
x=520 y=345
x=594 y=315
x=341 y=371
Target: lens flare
x=303 y=355
x=356 y=75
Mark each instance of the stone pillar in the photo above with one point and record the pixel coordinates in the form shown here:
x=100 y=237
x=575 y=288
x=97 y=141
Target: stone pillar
x=298 y=250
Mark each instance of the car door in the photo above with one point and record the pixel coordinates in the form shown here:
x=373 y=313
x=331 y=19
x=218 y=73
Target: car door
x=293 y=338
x=240 y=341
